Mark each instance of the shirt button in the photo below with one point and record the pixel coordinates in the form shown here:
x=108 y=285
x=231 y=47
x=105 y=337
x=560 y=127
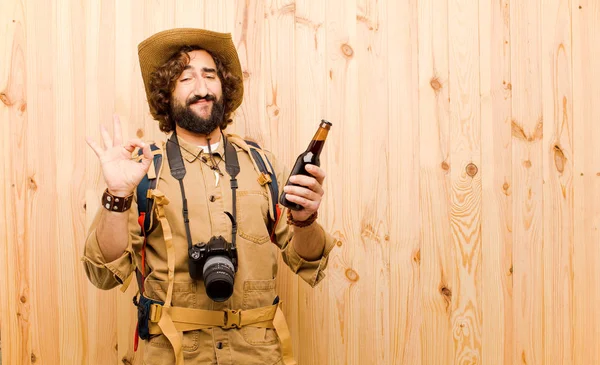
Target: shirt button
x=219 y=345
x=212 y=198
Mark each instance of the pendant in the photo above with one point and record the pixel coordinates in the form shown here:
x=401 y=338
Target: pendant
x=216 y=178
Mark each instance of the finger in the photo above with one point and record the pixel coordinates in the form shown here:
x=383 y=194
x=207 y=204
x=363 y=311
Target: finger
x=317 y=172
x=94 y=146
x=147 y=152
x=132 y=144
x=117 y=131
x=310 y=205
x=106 y=137
x=308 y=182
x=302 y=192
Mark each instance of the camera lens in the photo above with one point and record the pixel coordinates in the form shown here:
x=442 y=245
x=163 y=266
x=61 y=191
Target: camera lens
x=218 y=278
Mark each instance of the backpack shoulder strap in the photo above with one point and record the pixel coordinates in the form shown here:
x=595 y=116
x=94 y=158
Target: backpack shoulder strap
x=266 y=177
x=150 y=181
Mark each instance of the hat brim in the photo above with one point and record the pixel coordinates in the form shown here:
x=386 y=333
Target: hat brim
x=157 y=49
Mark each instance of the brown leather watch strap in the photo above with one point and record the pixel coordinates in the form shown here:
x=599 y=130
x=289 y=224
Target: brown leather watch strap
x=116 y=203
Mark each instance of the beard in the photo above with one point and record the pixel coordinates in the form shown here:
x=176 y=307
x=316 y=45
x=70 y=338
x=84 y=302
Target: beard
x=187 y=119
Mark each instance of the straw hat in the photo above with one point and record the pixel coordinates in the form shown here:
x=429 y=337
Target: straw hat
x=157 y=49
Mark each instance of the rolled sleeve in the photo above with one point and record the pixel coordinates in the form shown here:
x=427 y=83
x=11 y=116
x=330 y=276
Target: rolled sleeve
x=106 y=275
x=311 y=272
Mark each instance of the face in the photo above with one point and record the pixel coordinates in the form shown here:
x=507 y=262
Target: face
x=196 y=101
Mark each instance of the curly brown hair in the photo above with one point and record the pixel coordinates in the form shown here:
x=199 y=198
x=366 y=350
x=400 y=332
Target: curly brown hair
x=162 y=84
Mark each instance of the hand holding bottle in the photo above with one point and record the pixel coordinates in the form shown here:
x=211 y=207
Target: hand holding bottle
x=303 y=191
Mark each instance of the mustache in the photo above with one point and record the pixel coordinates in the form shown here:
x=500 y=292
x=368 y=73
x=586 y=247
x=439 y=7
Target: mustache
x=197 y=98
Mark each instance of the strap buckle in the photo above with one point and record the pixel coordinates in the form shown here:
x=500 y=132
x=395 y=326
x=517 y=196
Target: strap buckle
x=233 y=319
x=155 y=313
x=264 y=178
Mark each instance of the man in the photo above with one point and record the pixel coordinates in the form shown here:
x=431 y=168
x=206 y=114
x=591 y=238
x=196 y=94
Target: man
x=195 y=308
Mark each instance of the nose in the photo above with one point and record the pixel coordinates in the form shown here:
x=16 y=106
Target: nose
x=201 y=88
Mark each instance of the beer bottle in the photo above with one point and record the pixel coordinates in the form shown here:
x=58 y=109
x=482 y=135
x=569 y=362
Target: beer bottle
x=310 y=156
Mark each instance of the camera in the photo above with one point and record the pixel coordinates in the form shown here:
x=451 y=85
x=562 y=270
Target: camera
x=216 y=263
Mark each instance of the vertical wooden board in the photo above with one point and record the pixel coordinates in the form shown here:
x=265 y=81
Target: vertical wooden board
x=342 y=111
x=497 y=338
x=311 y=98
x=586 y=184
x=15 y=281
x=527 y=130
x=372 y=261
x=275 y=105
x=69 y=62
x=437 y=273
x=403 y=170
x=557 y=149
x=41 y=215
x=465 y=156
x=251 y=21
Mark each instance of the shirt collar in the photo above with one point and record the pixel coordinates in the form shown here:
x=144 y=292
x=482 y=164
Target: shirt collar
x=191 y=152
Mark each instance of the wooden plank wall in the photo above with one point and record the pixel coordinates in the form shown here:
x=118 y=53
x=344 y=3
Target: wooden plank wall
x=463 y=171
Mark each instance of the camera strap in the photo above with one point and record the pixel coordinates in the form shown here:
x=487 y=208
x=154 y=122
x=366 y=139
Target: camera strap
x=232 y=167
x=177 y=167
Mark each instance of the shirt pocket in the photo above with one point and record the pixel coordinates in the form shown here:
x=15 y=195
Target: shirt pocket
x=258 y=293
x=253 y=210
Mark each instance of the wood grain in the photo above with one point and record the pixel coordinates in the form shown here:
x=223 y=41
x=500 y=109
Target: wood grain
x=497 y=336
x=371 y=260
x=437 y=252
x=15 y=284
x=527 y=133
x=466 y=199
x=586 y=182
x=342 y=111
x=558 y=182
x=403 y=144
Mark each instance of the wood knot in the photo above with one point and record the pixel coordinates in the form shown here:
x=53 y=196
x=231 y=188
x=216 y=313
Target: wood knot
x=32 y=184
x=559 y=159
x=435 y=83
x=347 y=50
x=139 y=133
x=352 y=275
x=510 y=271
x=126 y=361
x=417 y=257
x=508 y=86
x=445 y=166
x=472 y=169
x=23 y=299
x=330 y=74
x=23 y=107
x=5 y=99
x=527 y=164
x=338 y=243
x=446 y=292
x=33 y=357
x=246 y=75
x=273 y=110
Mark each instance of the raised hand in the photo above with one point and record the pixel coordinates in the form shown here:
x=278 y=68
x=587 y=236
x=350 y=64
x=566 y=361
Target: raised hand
x=121 y=173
